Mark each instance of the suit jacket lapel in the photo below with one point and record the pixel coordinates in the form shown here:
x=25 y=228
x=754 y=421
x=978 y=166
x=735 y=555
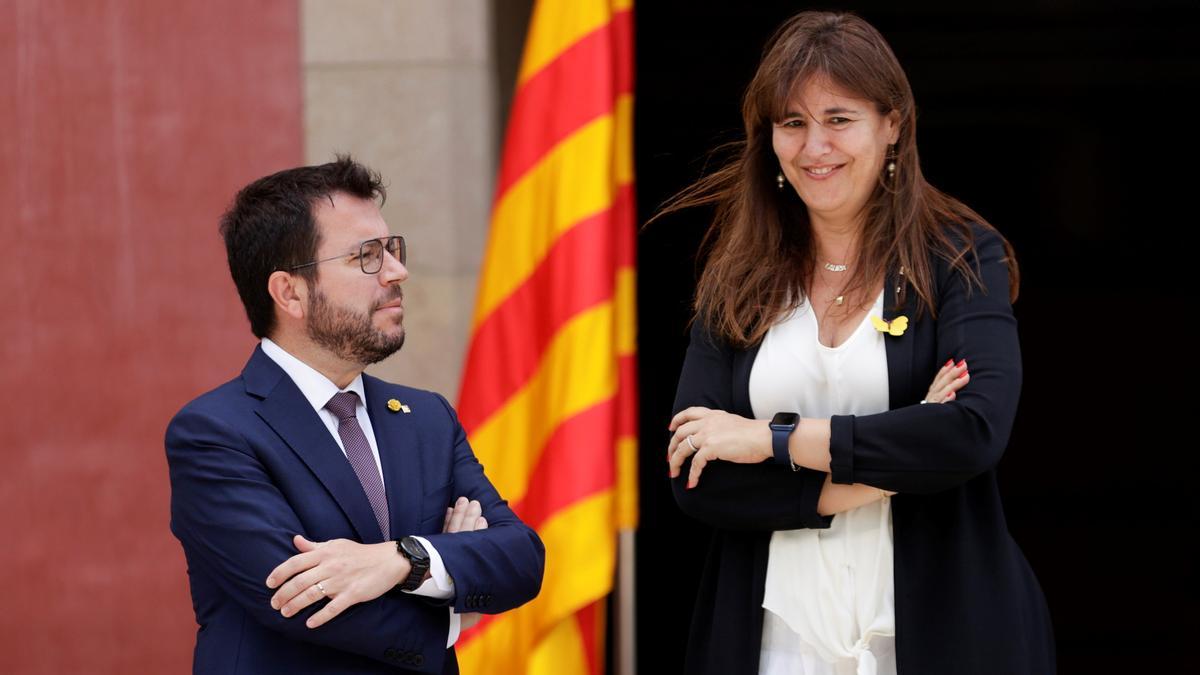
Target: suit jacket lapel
x=400 y=454
x=291 y=416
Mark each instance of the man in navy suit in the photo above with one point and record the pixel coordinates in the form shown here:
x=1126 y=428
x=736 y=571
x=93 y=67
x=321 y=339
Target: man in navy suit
x=332 y=522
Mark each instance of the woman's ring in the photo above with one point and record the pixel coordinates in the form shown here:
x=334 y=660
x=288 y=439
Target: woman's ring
x=690 y=444
x=320 y=588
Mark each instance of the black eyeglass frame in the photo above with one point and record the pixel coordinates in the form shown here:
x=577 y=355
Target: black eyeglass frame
x=394 y=245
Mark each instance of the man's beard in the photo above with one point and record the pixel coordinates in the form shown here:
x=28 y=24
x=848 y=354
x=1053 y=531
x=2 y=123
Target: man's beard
x=350 y=336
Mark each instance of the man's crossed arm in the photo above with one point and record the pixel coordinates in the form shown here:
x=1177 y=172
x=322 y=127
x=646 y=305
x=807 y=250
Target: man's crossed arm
x=347 y=572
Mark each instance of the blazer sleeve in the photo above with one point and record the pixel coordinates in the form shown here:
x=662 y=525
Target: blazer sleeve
x=236 y=526
x=763 y=497
x=496 y=569
x=929 y=448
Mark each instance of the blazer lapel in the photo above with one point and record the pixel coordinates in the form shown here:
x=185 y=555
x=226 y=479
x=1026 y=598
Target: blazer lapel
x=899 y=348
x=743 y=363
x=400 y=454
x=291 y=416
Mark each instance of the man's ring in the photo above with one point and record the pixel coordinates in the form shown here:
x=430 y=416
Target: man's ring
x=320 y=588
x=690 y=444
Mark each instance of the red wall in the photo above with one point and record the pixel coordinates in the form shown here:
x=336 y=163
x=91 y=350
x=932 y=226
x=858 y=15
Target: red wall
x=125 y=128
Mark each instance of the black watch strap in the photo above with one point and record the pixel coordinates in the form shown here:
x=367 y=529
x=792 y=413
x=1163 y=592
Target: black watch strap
x=782 y=426
x=418 y=559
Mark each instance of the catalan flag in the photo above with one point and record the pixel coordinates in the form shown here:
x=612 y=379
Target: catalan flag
x=549 y=385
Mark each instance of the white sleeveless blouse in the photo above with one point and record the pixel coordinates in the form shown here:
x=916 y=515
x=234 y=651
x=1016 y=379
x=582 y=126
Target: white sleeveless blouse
x=829 y=601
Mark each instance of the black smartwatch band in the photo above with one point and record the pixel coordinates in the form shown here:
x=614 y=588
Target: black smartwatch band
x=418 y=559
x=782 y=426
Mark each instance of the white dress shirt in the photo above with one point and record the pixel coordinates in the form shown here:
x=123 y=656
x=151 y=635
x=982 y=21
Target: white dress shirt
x=318 y=389
x=829 y=599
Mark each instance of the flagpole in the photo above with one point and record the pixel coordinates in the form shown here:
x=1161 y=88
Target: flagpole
x=626 y=606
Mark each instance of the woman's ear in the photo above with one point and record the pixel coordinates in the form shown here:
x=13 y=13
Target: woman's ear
x=893 y=122
x=289 y=292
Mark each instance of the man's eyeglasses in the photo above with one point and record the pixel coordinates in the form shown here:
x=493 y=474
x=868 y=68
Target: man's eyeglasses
x=370 y=254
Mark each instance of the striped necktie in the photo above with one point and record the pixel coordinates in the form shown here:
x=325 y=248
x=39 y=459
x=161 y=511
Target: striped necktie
x=358 y=451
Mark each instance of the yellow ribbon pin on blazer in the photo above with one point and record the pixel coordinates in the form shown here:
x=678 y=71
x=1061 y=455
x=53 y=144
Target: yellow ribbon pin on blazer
x=896 y=326
x=397 y=406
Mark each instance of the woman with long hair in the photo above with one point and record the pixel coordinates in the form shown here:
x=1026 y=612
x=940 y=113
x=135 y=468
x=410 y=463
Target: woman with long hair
x=858 y=524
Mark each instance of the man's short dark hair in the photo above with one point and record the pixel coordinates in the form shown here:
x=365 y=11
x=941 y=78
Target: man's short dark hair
x=270 y=227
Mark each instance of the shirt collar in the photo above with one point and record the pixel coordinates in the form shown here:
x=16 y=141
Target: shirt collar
x=317 y=388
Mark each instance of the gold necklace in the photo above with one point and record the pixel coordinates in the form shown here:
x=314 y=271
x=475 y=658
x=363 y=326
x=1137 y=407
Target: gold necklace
x=836 y=267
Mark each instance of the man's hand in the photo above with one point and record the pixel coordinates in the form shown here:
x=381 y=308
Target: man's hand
x=465 y=516
x=344 y=571
x=347 y=572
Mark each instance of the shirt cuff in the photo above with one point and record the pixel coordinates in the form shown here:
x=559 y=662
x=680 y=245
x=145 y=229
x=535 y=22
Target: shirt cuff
x=455 y=628
x=440 y=586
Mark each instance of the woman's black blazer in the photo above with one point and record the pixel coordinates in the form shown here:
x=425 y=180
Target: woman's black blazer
x=966 y=599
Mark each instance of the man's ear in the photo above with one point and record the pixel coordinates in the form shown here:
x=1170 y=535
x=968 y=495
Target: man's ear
x=289 y=292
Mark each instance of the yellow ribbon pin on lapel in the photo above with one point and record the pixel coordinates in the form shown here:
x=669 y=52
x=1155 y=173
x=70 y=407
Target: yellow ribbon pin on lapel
x=896 y=326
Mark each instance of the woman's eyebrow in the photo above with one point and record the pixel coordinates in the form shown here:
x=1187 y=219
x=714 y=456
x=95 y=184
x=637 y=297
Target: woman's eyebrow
x=836 y=110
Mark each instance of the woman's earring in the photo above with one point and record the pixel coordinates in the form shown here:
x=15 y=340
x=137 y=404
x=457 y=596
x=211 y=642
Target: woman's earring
x=891 y=161
x=779 y=180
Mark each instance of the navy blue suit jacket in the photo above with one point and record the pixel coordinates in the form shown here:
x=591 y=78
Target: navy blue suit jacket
x=966 y=599
x=252 y=464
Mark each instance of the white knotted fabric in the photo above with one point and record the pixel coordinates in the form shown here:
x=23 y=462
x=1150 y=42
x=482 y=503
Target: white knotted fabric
x=829 y=603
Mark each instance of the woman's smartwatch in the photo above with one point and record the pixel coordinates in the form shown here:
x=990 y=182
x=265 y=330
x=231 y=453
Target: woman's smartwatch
x=782 y=426
x=418 y=557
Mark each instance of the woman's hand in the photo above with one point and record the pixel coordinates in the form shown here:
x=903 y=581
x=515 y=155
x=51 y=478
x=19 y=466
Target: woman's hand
x=715 y=434
x=948 y=380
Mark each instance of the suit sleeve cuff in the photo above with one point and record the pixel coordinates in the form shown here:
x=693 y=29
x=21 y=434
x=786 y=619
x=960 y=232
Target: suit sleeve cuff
x=439 y=585
x=814 y=482
x=841 y=449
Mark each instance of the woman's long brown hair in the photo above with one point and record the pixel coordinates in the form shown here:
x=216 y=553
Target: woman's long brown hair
x=760 y=252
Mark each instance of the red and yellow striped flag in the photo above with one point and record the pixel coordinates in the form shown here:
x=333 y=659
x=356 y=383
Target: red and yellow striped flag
x=548 y=392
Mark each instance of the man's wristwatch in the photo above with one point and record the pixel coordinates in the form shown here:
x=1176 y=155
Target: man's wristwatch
x=418 y=557
x=782 y=426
